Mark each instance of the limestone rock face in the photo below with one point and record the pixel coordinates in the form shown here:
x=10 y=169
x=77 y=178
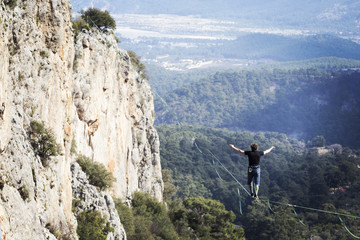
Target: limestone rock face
x=87 y=93
x=114 y=115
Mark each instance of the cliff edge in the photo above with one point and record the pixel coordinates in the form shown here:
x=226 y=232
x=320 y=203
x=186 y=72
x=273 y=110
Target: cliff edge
x=84 y=90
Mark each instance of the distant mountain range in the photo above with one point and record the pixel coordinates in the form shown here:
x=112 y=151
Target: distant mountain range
x=321 y=15
x=285 y=48
x=188 y=34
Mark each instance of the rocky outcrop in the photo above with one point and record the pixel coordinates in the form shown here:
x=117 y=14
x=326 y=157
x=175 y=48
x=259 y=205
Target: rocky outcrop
x=90 y=96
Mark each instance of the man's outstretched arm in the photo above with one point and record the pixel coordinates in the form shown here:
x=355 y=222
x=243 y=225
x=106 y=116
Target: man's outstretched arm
x=237 y=149
x=269 y=150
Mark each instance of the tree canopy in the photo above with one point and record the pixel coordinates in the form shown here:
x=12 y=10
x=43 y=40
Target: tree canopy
x=99 y=18
x=304 y=103
x=192 y=218
x=293 y=172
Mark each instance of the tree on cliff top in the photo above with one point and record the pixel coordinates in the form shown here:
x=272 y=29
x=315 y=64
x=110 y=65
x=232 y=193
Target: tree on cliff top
x=101 y=19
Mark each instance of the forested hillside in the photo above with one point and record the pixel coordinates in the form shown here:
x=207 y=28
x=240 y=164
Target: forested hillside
x=164 y=81
x=292 y=173
x=301 y=103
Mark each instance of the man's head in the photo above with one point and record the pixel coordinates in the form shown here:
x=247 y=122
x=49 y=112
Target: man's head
x=254 y=147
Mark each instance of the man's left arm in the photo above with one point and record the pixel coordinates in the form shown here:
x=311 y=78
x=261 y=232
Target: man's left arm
x=269 y=150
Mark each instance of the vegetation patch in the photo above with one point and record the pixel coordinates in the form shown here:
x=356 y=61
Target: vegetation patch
x=43 y=142
x=98 y=18
x=73 y=149
x=97 y=173
x=137 y=64
x=193 y=218
x=127 y=216
x=93 y=17
x=11 y=3
x=169 y=187
x=24 y=193
x=92 y=226
x=44 y=54
x=147 y=219
x=79 y=24
x=56 y=231
x=76 y=202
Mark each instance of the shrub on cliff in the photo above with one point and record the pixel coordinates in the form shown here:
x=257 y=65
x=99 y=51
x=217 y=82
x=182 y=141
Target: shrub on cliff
x=101 y=19
x=96 y=172
x=91 y=226
x=137 y=64
x=79 y=24
x=10 y=3
x=43 y=141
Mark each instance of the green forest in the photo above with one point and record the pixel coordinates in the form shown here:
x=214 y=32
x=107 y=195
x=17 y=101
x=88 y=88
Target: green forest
x=294 y=172
x=308 y=110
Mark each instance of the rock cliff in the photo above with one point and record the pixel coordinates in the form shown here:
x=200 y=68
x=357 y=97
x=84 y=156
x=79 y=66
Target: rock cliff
x=88 y=94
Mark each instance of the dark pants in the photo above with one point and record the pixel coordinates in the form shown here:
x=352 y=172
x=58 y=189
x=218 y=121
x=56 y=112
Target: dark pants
x=254 y=175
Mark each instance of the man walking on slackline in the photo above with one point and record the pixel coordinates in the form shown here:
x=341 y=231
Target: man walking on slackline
x=254 y=166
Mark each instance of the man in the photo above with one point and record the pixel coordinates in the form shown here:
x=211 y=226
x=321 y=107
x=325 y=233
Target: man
x=254 y=166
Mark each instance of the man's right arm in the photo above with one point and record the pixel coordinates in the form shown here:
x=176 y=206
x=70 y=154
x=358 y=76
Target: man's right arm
x=237 y=149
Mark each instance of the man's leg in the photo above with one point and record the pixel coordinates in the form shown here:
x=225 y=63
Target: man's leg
x=257 y=182
x=250 y=182
x=251 y=189
x=256 y=190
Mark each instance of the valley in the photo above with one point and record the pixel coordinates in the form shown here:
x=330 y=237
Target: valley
x=279 y=73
